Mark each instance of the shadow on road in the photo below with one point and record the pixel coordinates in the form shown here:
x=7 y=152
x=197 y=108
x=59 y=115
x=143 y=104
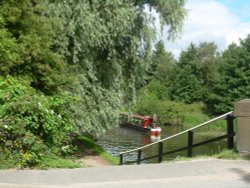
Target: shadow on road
x=244 y=174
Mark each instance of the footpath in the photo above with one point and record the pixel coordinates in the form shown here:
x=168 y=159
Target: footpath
x=204 y=173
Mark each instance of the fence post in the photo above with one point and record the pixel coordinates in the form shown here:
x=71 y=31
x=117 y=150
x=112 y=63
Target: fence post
x=190 y=143
x=139 y=156
x=121 y=159
x=160 y=152
x=230 y=132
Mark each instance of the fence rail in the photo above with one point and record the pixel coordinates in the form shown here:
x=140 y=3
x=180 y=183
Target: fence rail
x=190 y=145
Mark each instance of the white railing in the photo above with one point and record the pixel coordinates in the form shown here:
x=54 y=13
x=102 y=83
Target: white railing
x=224 y=116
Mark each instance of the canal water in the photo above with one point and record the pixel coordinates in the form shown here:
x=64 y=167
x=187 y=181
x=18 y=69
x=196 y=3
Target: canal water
x=122 y=139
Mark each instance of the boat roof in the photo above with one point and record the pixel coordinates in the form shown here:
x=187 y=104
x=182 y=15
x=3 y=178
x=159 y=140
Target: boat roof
x=135 y=115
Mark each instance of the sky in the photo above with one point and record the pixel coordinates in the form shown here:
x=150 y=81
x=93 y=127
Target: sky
x=219 y=21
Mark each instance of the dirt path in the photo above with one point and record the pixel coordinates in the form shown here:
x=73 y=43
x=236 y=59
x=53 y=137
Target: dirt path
x=94 y=161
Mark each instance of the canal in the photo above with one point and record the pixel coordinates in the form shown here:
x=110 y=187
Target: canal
x=121 y=139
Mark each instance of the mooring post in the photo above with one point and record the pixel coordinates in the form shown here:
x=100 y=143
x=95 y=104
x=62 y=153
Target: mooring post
x=190 y=143
x=230 y=132
x=160 y=152
x=121 y=159
x=139 y=156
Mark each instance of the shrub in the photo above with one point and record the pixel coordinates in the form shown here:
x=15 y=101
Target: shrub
x=31 y=122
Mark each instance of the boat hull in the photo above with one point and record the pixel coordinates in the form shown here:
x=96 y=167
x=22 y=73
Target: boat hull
x=134 y=126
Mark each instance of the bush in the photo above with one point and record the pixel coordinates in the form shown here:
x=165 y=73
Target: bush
x=31 y=122
x=169 y=112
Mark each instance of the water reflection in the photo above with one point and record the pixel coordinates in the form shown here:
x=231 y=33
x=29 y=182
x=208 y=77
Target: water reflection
x=122 y=139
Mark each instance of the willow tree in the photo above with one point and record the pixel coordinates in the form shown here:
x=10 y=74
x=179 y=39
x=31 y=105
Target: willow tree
x=108 y=45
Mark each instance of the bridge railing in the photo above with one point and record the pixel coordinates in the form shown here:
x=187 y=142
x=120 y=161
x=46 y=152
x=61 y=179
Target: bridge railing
x=190 y=144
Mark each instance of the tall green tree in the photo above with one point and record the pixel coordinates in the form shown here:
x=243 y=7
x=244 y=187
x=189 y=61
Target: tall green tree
x=109 y=45
x=162 y=64
x=234 y=81
x=165 y=70
x=26 y=46
x=197 y=71
x=34 y=119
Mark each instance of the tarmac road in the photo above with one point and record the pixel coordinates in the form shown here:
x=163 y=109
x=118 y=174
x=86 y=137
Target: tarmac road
x=208 y=173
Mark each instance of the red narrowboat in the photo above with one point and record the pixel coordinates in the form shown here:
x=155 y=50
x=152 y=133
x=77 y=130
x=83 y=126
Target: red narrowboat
x=144 y=123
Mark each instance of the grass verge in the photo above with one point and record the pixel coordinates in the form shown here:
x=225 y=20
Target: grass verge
x=225 y=154
x=46 y=162
x=57 y=162
x=90 y=146
x=84 y=145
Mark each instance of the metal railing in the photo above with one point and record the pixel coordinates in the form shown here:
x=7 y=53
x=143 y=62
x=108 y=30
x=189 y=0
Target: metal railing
x=190 y=145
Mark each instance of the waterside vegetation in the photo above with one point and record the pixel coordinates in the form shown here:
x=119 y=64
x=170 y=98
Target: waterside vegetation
x=68 y=67
x=84 y=146
x=201 y=84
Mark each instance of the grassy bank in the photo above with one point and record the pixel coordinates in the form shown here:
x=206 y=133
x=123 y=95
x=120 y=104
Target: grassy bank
x=225 y=154
x=82 y=146
x=94 y=149
x=45 y=162
x=175 y=113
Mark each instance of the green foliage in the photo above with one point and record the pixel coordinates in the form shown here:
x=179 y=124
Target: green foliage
x=186 y=87
x=53 y=161
x=109 y=43
x=228 y=154
x=151 y=100
x=31 y=122
x=51 y=50
x=8 y=49
x=196 y=73
x=225 y=154
x=90 y=144
x=172 y=13
x=200 y=76
x=26 y=43
x=162 y=66
x=233 y=84
x=103 y=44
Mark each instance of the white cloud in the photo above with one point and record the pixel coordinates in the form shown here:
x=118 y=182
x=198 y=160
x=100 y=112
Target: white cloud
x=210 y=21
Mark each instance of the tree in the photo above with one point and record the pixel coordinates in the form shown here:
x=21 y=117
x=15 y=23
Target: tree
x=165 y=70
x=34 y=119
x=109 y=43
x=197 y=71
x=26 y=45
x=162 y=64
x=233 y=83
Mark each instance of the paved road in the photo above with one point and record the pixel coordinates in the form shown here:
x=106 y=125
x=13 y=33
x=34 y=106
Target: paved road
x=189 y=174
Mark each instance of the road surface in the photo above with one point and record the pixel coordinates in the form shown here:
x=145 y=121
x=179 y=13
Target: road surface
x=204 y=173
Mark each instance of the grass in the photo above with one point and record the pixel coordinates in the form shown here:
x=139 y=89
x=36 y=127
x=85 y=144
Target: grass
x=87 y=143
x=95 y=149
x=48 y=161
x=228 y=154
x=113 y=160
x=225 y=154
x=193 y=115
x=8 y=162
x=85 y=146
x=57 y=162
